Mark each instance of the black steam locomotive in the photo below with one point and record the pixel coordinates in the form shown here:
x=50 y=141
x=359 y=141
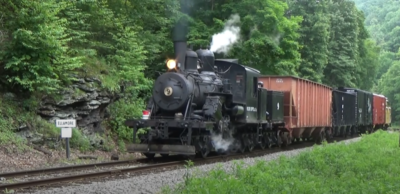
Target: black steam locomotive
x=202 y=104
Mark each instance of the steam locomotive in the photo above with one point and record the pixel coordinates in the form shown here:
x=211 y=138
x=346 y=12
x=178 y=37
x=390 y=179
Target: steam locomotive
x=202 y=105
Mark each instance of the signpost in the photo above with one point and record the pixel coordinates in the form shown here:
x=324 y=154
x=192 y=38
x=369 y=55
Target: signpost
x=66 y=126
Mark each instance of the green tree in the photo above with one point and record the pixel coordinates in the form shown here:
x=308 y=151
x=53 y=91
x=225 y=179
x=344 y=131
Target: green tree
x=389 y=87
x=342 y=64
x=314 y=37
x=382 y=23
x=368 y=56
x=37 y=58
x=268 y=39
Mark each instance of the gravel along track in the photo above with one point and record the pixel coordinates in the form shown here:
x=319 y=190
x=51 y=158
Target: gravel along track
x=153 y=182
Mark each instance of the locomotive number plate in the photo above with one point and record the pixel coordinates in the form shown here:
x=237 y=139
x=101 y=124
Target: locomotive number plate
x=168 y=91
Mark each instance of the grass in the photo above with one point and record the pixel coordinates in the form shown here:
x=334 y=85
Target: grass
x=370 y=165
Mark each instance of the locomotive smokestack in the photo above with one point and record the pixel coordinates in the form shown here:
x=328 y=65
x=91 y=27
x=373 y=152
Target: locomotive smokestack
x=179 y=35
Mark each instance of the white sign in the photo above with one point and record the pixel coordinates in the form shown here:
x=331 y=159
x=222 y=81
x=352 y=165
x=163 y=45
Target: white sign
x=67 y=123
x=66 y=132
x=251 y=109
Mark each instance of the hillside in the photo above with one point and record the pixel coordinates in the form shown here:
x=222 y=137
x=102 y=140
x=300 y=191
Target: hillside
x=382 y=21
x=95 y=61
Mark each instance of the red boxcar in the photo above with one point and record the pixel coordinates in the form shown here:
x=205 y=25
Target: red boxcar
x=307 y=105
x=379 y=106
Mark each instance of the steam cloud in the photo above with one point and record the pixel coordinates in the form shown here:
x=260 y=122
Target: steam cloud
x=223 y=41
x=221 y=143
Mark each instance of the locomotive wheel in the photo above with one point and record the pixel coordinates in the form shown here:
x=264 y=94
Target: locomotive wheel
x=149 y=155
x=242 y=146
x=204 y=149
x=269 y=140
x=250 y=146
x=264 y=141
x=351 y=132
x=250 y=143
x=278 y=139
x=285 y=139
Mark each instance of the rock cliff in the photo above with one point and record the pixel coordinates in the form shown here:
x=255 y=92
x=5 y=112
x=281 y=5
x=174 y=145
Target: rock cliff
x=83 y=100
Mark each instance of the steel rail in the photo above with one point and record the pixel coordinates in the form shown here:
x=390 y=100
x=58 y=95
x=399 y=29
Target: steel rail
x=84 y=176
x=77 y=167
x=64 y=168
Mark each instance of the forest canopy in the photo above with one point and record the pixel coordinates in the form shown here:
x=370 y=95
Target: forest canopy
x=382 y=21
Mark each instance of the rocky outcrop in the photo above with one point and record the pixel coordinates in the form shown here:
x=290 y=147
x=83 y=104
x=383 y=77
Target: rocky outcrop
x=84 y=101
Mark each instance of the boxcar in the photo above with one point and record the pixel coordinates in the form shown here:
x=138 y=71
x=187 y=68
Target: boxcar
x=307 y=105
x=343 y=113
x=379 y=108
x=363 y=108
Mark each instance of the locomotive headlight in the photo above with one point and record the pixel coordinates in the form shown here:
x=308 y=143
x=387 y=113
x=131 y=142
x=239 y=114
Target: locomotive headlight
x=171 y=64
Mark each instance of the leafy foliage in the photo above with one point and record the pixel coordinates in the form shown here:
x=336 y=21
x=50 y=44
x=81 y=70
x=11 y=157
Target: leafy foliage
x=37 y=57
x=314 y=37
x=268 y=38
x=382 y=23
x=331 y=168
x=388 y=86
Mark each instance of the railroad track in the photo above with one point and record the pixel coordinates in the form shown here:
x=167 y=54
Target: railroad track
x=134 y=171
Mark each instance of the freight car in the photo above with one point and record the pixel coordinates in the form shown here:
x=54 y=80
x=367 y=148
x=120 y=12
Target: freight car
x=363 y=109
x=379 y=108
x=388 y=115
x=344 y=117
x=307 y=107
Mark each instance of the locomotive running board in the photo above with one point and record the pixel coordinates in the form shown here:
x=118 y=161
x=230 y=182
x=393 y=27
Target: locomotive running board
x=161 y=149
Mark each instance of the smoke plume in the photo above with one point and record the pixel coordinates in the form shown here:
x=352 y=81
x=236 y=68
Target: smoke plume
x=223 y=41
